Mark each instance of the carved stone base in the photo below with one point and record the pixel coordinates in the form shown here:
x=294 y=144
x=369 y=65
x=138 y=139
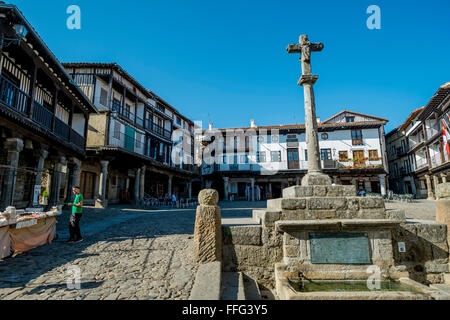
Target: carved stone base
x=316 y=179
x=99 y=203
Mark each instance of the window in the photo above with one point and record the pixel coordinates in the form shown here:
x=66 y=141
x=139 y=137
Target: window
x=395 y=170
x=373 y=155
x=325 y=154
x=224 y=159
x=275 y=156
x=261 y=156
x=103 y=97
x=179 y=121
x=306 y=155
x=116 y=105
x=138 y=140
x=117 y=126
x=343 y=156
x=244 y=158
x=357 y=137
x=349 y=119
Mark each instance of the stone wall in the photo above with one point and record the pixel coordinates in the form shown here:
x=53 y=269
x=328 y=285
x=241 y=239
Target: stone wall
x=426 y=256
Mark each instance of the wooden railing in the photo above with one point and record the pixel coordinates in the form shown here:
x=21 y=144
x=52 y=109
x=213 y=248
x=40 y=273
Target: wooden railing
x=42 y=115
x=78 y=139
x=13 y=96
x=62 y=129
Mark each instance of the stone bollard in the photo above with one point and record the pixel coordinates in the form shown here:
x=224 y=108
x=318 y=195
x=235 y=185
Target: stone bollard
x=208 y=228
x=443 y=204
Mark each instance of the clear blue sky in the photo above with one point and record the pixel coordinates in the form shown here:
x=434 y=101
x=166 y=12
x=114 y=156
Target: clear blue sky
x=226 y=60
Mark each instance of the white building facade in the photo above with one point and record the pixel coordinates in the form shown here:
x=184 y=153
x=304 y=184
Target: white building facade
x=256 y=163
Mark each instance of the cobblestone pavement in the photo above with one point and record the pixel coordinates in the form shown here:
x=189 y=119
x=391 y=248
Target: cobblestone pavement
x=126 y=254
x=418 y=209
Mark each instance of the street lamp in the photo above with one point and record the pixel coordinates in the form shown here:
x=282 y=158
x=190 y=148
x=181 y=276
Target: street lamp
x=20 y=31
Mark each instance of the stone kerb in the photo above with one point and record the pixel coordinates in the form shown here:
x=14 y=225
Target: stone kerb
x=207 y=230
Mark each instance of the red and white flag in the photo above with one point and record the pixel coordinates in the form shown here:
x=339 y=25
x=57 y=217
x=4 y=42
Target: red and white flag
x=445 y=138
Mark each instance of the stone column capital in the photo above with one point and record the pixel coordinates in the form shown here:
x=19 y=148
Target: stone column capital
x=41 y=153
x=14 y=144
x=76 y=162
x=104 y=164
x=307 y=79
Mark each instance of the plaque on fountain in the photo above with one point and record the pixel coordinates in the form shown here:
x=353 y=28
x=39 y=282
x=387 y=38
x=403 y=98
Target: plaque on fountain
x=339 y=248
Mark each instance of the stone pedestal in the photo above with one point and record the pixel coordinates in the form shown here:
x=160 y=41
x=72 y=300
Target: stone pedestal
x=443 y=206
x=207 y=230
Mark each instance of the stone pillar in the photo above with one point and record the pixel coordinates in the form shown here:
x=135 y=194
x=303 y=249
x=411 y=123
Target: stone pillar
x=102 y=202
x=208 y=228
x=443 y=206
x=429 y=188
x=169 y=185
x=74 y=167
x=225 y=188
x=142 y=183
x=444 y=177
x=270 y=190
x=190 y=189
x=435 y=184
x=137 y=181
x=382 y=184
x=335 y=180
x=297 y=181
x=13 y=146
x=41 y=155
x=252 y=181
x=56 y=180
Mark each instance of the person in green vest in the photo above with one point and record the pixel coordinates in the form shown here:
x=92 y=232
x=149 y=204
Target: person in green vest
x=75 y=217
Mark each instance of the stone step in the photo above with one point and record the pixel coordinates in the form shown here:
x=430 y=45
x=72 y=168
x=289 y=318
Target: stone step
x=241 y=234
x=326 y=203
x=232 y=286
x=267 y=217
x=251 y=288
x=207 y=284
x=319 y=191
x=444 y=288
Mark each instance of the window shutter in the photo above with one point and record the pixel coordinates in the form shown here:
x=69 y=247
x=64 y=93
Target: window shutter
x=103 y=97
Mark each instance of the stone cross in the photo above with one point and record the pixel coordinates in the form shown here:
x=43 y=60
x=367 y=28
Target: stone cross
x=307 y=80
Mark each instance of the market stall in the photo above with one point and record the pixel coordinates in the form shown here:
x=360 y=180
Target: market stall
x=22 y=230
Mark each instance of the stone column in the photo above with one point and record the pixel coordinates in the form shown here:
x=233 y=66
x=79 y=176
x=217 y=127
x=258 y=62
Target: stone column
x=137 y=181
x=429 y=188
x=443 y=206
x=208 y=228
x=225 y=188
x=297 y=181
x=435 y=184
x=142 y=183
x=13 y=146
x=102 y=202
x=444 y=177
x=190 y=189
x=169 y=185
x=252 y=181
x=382 y=184
x=41 y=155
x=56 y=180
x=335 y=180
x=74 y=168
x=270 y=190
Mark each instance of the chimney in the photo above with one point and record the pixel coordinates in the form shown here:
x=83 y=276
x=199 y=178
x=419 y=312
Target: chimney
x=210 y=126
x=252 y=123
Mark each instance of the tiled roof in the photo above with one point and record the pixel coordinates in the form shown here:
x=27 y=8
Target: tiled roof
x=410 y=118
x=441 y=95
x=302 y=126
x=357 y=113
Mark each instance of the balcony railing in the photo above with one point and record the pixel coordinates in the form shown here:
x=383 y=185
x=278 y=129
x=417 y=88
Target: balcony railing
x=78 y=139
x=42 y=115
x=62 y=129
x=13 y=96
x=436 y=160
x=127 y=142
x=357 y=142
x=421 y=163
x=158 y=129
x=433 y=130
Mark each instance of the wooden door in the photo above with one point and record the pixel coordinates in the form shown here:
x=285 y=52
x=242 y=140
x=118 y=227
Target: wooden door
x=87 y=184
x=292 y=155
